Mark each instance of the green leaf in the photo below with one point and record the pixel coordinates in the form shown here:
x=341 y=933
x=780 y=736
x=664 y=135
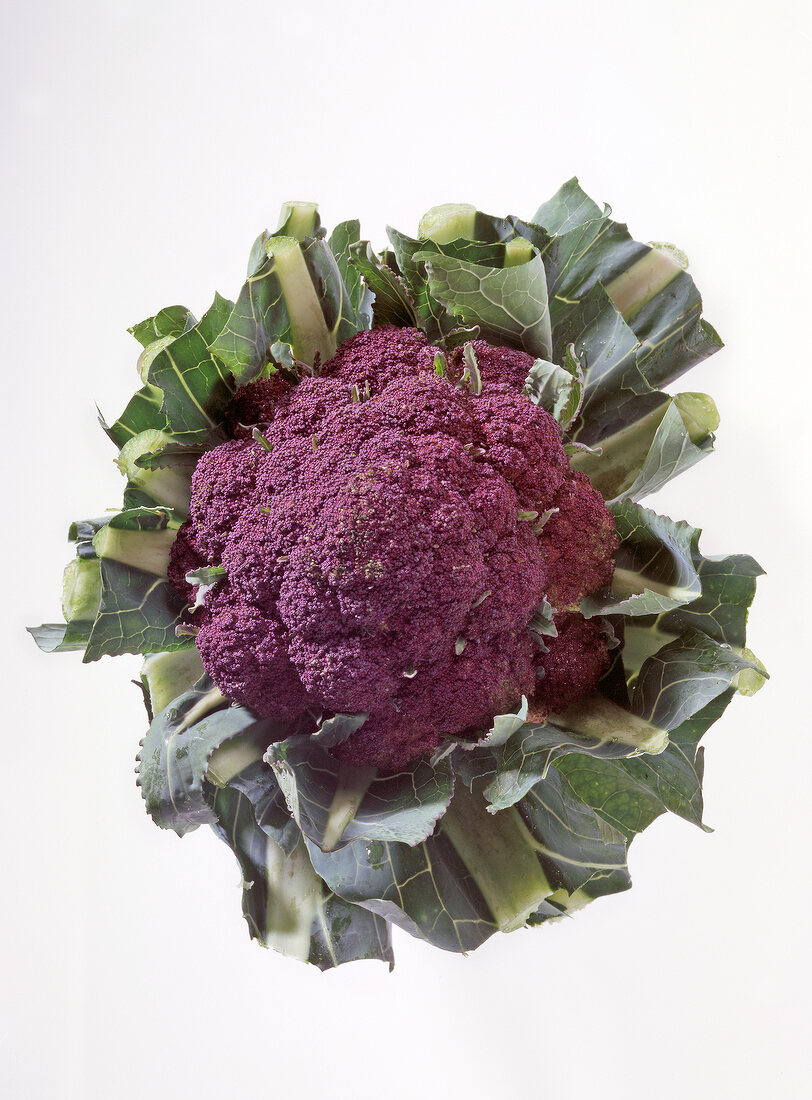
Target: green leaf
x=569 y=208
x=509 y=304
x=335 y=804
x=558 y=390
x=607 y=349
x=728 y=590
x=346 y=235
x=392 y=305
x=258 y=783
x=426 y=889
x=630 y=794
x=171 y=321
x=574 y=844
x=286 y=905
x=431 y=315
x=583 y=256
x=138 y=614
x=651 y=443
x=144 y=412
x=654 y=566
x=336 y=301
x=196 y=384
x=525 y=759
x=682 y=677
x=176 y=751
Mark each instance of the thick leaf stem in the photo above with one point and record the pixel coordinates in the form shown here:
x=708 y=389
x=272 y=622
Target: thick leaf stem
x=500 y=854
x=644 y=280
x=598 y=717
x=311 y=337
x=353 y=784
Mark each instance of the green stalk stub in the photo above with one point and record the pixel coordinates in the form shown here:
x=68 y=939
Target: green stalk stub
x=309 y=331
x=500 y=854
x=448 y=222
x=298 y=219
x=598 y=717
x=699 y=414
x=170 y=484
x=518 y=251
x=146 y=550
x=81 y=590
x=645 y=279
x=168 y=675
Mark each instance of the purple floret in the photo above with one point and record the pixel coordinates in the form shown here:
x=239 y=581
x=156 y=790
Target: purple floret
x=381 y=556
x=573 y=663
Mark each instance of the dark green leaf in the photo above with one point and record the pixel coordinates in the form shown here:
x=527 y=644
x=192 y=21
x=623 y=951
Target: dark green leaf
x=286 y=905
x=144 y=412
x=341 y=241
x=682 y=677
x=426 y=890
x=572 y=841
x=392 y=305
x=171 y=321
x=138 y=614
x=335 y=804
x=175 y=755
x=509 y=304
x=336 y=302
x=654 y=567
x=569 y=208
x=196 y=384
x=630 y=794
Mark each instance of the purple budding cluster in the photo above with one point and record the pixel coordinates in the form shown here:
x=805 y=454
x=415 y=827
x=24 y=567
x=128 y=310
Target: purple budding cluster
x=385 y=546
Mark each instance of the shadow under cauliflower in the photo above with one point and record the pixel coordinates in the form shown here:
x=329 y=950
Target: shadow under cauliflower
x=384 y=551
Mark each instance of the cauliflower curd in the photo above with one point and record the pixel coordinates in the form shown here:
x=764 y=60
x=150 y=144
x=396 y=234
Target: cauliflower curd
x=388 y=535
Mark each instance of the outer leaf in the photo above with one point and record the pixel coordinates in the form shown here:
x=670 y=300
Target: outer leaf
x=573 y=842
x=559 y=390
x=171 y=321
x=654 y=568
x=728 y=589
x=509 y=304
x=590 y=253
x=393 y=305
x=643 y=443
x=403 y=807
x=426 y=890
x=682 y=677
x=606 y=347
x=526 y=758
x=196 y=384
x=336 y=300
x=144 y=412
x=344 y=236
x=432 y=316
x=630 y=794
x=670 y=454
x=175 y=755
x=138 y=614
x=258 y=783
x=569 y=208
x=286 y=905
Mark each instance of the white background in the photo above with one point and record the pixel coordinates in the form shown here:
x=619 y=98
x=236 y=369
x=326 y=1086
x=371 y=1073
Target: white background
x=146 y=143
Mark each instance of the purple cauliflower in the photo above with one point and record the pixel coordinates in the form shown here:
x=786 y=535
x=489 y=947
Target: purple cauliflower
x=382 y=547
